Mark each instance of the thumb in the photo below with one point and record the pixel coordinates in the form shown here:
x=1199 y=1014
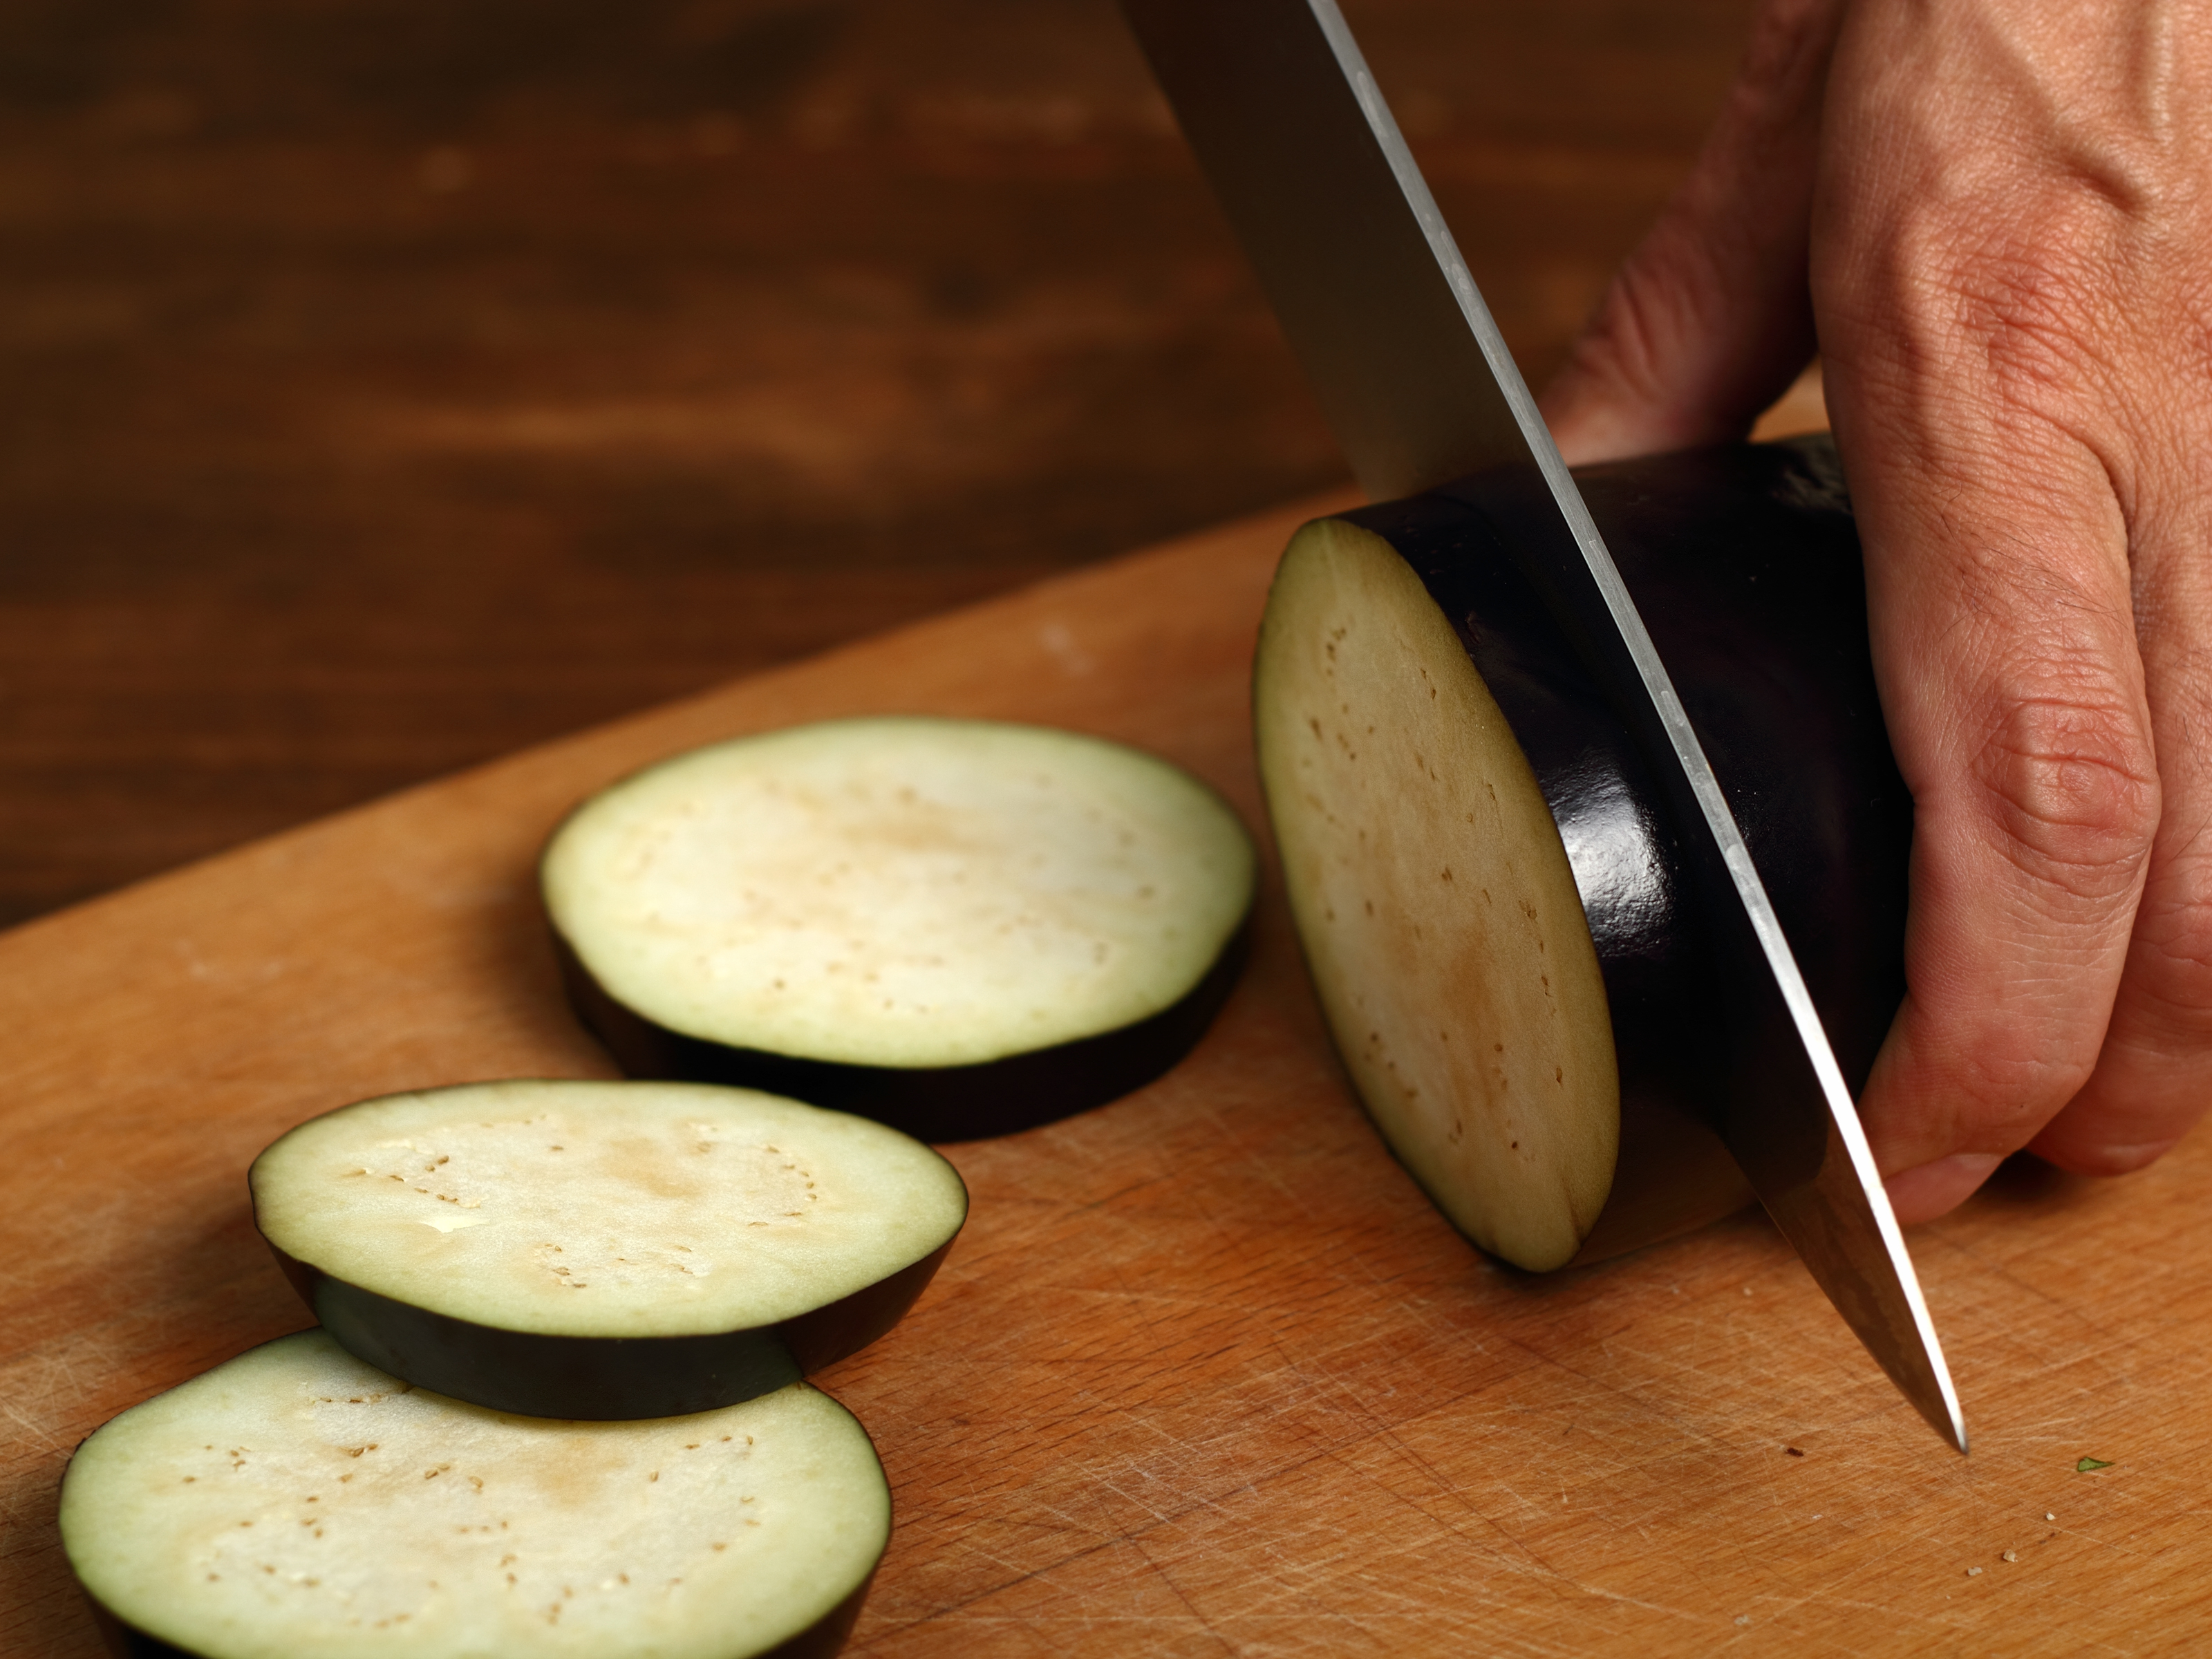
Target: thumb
x=1711 y=318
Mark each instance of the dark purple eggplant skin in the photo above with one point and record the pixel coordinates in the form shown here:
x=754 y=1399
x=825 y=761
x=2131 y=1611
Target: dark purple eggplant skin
x=820 y=1640
x=941 y=1103
x=599 y=1378
x=1744 y=560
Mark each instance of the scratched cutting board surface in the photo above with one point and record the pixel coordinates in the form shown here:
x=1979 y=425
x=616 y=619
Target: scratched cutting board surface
x=1205 y=1373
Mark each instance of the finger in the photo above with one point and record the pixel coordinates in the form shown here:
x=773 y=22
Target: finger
x=1998 y=589
x=2003 y=643
x=2154 y=1077
x=2016 y=336
x=1709 y=320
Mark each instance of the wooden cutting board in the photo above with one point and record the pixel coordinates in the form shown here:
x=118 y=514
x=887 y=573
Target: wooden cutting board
x=1206 y=1374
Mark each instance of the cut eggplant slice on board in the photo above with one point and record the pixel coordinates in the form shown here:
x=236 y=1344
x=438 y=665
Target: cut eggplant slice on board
x=960 y=927
x=295 y=1501
x=1483 y=872
x=587 y=1249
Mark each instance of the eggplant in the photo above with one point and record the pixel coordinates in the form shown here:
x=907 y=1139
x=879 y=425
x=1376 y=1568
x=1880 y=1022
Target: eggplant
x=1485 y=877
x=589 y=1250
x=958 y=927
x=296 y=1501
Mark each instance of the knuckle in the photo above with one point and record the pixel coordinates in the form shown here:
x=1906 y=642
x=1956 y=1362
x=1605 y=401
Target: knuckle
x=2070 y=783
x=2037 y=322
x=2027 y=298
x=2025 y=303
x=1620 y=346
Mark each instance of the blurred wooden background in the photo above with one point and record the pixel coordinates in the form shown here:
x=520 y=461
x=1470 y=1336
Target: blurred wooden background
x=385 y=384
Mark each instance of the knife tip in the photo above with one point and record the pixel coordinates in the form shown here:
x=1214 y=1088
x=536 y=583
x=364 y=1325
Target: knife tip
x=1942 y=1415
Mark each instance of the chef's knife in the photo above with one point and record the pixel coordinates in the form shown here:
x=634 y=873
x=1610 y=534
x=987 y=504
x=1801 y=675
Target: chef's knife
x=1277 y=101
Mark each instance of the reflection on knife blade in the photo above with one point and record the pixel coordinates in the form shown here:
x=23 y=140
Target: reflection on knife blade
x=1415 y=380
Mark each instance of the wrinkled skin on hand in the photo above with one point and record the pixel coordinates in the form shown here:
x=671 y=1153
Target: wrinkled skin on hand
x=1993 y=218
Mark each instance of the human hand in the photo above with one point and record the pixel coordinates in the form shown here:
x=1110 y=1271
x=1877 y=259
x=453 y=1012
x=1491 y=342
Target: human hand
x=1994 y=218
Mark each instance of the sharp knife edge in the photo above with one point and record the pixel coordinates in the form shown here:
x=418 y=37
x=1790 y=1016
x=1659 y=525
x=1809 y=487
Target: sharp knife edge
x=1846 y=1133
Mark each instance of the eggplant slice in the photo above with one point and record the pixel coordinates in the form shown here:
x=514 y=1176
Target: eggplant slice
x=295 y=1501
x=1484 y=873
x=959 y=928
x=587 y=1249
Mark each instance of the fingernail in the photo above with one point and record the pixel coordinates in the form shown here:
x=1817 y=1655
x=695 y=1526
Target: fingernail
x=1922 y=1194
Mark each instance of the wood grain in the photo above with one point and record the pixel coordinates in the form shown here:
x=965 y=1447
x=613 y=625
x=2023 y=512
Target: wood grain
x=1204 y=1374
x=394 y=382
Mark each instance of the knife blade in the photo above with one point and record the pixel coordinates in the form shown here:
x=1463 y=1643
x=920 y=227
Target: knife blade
x=1277 y=101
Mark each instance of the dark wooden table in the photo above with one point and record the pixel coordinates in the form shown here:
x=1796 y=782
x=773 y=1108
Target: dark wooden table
x=392 y=383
